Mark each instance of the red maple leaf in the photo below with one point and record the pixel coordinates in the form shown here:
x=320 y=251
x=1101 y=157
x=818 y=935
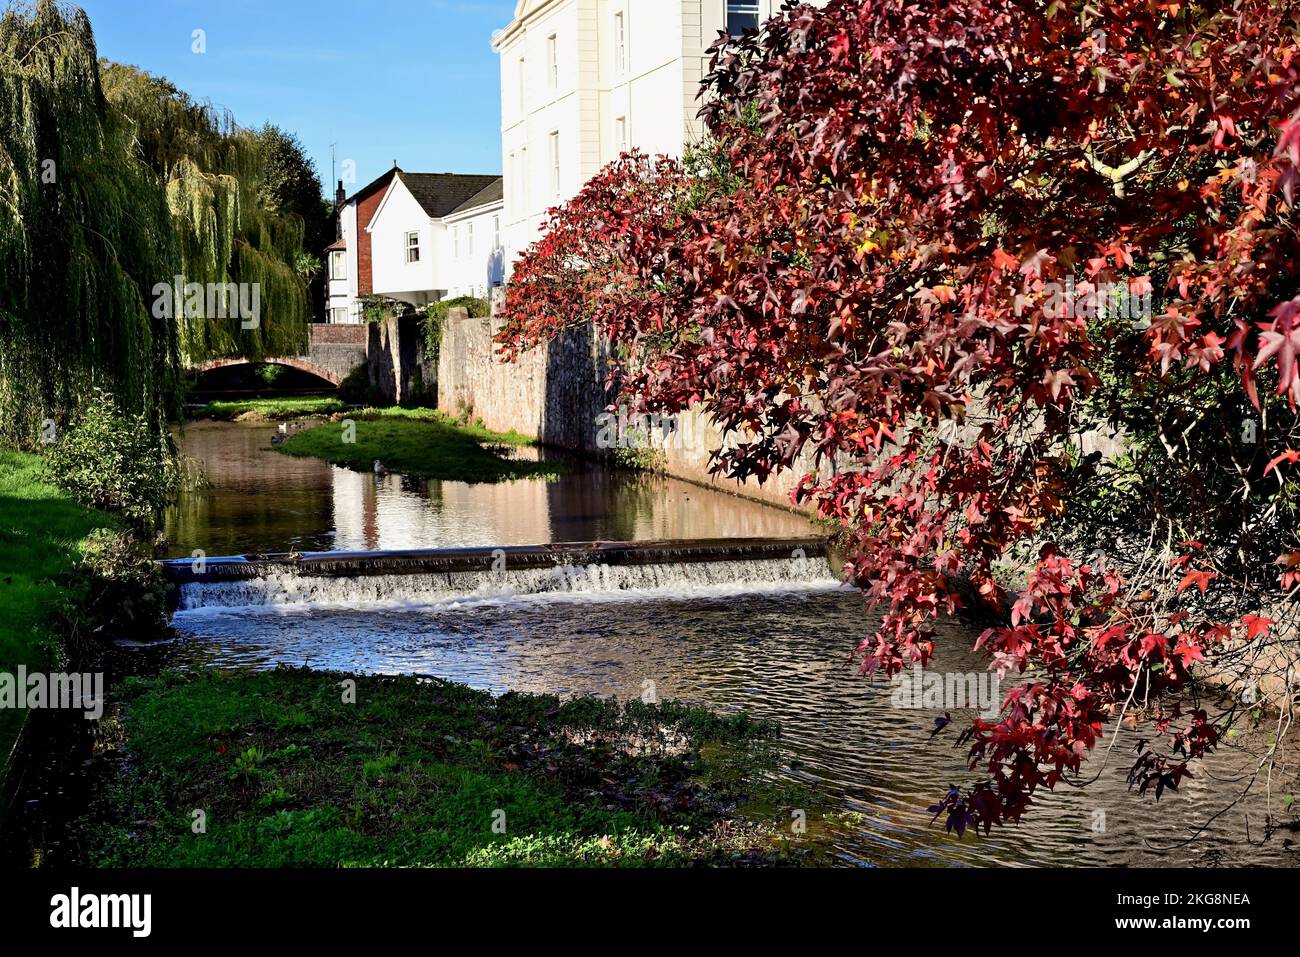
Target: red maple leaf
x=1200 y=577
x=1188 y=653
x=1255 y=626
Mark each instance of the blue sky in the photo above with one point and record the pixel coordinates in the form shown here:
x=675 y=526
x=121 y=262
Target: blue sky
x=407 y=80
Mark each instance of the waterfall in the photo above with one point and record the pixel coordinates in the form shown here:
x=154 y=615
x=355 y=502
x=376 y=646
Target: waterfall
x=286 y=586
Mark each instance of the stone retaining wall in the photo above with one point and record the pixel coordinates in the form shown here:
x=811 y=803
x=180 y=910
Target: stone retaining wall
x=553 y=393
x=557 y=393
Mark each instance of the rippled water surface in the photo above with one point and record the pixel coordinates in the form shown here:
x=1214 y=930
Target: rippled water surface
x=775 y=645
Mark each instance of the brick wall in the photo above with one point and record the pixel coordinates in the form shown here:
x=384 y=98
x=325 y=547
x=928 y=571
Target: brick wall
x=365 y=211
x=337 y=333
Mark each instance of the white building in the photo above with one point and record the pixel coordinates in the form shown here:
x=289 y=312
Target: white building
x=584 y=80
x=418 y=238
x=432 y=235
x=475 y=232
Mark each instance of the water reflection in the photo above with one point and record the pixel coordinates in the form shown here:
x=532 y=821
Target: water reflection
x=781 y=654
x=262 y=501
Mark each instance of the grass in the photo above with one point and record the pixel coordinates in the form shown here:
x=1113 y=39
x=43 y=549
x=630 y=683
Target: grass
x=421 y=442
x=419 y=772
x=41 y=534
x=270 y=409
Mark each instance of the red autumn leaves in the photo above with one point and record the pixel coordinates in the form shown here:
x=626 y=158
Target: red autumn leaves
x=855 y=275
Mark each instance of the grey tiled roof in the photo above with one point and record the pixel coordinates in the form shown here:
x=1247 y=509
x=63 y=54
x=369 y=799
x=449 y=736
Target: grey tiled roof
x=442 y=193
x=494 y=192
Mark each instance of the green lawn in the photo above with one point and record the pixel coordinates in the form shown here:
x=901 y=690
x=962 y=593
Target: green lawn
x=417 y=773
x=41 y=531
x=276 y=409
x=420 y=442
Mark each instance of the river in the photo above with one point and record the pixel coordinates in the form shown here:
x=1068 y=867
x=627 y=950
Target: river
x=732 y=638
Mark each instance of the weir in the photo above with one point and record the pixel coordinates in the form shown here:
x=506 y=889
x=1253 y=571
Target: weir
x=515 y=557
x=437 y=576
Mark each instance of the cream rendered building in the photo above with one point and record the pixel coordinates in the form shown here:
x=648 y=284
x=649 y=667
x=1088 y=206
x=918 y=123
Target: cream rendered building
x=584 y=80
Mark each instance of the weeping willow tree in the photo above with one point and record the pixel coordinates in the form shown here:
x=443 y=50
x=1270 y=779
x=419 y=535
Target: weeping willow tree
x=85 y=234
x=227 y=232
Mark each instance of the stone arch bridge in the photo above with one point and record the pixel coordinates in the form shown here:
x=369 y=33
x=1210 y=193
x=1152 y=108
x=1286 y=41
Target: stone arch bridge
x=333 y=352
x=392 y=351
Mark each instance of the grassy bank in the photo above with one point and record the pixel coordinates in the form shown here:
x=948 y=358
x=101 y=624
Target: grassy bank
x=41 y=535
x=269 y=409
x=419 y=773
x=420 y=442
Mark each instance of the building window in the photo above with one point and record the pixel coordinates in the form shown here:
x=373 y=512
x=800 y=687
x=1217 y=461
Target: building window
x=620 y=43
x=555 y=163
x=620 y=135
x=413 y=247
x=339 y=315
x=455 y=242
x=523 y=174
x=552 y=62
x=469 y=239
x=496 y=232
x=523 y=87
x=338 y=264
x=742 y=15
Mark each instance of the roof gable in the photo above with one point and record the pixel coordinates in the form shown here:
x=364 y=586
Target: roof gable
x=524 y=9
x=438 y=195
x=393 y=187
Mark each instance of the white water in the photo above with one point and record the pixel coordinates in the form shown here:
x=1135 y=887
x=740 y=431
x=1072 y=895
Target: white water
x=288 y=591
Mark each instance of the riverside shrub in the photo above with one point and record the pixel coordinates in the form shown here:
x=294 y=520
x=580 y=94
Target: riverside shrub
x=115 y=462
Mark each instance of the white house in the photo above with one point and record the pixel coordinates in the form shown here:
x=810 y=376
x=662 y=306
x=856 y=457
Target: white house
x=418 y=238
x=584 y=80
x=422 y=235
